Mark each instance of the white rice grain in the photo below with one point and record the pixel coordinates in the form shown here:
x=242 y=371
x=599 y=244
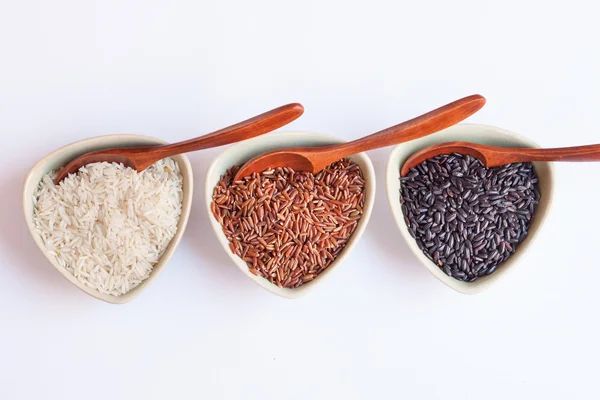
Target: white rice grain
x=108 y=225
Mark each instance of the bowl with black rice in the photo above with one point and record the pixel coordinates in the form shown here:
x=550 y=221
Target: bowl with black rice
x=469 y=225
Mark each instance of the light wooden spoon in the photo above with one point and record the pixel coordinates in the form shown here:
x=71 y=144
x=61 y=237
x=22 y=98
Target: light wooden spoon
x=314 y=159
x=140 y=158
x=492 y=156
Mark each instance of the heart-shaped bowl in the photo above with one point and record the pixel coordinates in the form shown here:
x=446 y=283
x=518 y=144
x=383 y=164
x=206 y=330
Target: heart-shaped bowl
x=61 y=157
x=475 y=133
x=239 y=153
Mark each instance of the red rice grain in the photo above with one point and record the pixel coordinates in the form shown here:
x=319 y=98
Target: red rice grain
x=289 y=226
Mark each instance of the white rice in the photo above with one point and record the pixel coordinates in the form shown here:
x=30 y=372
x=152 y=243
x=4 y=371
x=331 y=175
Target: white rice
x=108 y=225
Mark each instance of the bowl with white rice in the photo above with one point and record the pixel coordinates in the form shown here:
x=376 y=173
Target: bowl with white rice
x=108 y=229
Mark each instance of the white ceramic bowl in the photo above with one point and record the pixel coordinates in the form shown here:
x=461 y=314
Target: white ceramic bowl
x=65 y=154
x=241 y=152
x=478 y=134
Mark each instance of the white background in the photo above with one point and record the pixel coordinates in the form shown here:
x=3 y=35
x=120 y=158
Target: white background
x=382 y=327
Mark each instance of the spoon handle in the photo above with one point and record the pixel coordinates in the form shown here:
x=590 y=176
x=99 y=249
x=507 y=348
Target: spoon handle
x=424 y=125
x=247 y=129
x=497 y=156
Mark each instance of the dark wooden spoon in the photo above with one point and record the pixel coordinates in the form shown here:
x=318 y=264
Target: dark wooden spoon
x=140 y=158
x=314 y=159
x=492 y=156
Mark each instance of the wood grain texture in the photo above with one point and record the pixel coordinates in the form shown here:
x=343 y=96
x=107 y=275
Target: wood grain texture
x=492 y=156
x=314 y=159
x=140 y=158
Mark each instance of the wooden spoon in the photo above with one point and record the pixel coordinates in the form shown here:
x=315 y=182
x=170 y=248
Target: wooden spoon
x=140 y=158
x=492 y=156
x=314 y=159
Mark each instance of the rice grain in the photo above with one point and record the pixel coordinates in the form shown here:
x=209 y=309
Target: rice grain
x=107 y=224
x=289 y=226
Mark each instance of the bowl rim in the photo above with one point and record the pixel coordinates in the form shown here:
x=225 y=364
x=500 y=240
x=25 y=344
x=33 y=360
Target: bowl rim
x=393 y=174
x=108 y=141
x=283 y=137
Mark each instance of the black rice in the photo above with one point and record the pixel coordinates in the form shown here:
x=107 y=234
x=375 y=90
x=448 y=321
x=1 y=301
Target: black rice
x=466 y=218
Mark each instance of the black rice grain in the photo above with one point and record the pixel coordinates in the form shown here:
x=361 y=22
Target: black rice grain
x=466 y=218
